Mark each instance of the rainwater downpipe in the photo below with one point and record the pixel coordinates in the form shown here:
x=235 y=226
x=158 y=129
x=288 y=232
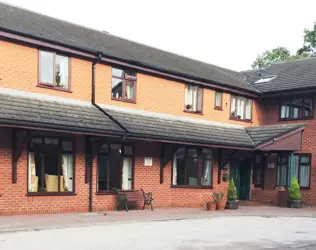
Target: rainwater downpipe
x=98 y=59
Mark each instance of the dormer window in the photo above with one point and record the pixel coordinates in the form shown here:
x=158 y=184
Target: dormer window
x=123 y=85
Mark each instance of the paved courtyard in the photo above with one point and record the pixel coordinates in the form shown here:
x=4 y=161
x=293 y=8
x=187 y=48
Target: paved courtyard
x=237 y=232
x=178 y=229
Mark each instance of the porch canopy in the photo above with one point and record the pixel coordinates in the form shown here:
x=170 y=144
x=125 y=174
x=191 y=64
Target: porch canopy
x=37 y=111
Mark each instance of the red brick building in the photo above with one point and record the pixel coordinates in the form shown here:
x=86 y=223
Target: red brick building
x=84 y=112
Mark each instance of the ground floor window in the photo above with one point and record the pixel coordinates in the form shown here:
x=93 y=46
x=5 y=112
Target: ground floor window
x=50 y=165
x=192 y=167
x=115 y=167
x=301 y=169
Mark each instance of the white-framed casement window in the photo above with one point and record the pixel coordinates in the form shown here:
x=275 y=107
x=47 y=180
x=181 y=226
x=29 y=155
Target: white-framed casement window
x=193 y=98
x=241 y=108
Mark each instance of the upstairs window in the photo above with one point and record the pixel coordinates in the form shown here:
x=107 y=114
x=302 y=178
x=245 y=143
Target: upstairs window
x=53 y=70
x=218 y=100
x=241 y=108
x=193 y=99
x=123 y=85
x=296 y=108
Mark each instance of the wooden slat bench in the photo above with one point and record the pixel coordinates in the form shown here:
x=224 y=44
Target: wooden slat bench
x=131 y=196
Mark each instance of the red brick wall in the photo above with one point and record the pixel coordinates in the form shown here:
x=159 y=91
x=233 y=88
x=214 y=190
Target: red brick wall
x=14 y=199
x=270 y=116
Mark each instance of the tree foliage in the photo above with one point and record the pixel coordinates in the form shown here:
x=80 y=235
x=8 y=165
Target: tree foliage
x=280 y=54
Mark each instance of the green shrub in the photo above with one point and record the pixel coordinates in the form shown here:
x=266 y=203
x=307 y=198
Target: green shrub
x=232 y=191
x=294 y=190
x=218 y=196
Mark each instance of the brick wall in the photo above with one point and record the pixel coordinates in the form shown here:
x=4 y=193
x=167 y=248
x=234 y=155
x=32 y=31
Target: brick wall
x=19 y=70
x=14 y=199
x=269 y=116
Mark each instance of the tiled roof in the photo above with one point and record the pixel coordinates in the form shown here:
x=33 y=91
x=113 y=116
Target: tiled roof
x=263 y=134
x=28 y=23
x=42 y=111
x=290 y=75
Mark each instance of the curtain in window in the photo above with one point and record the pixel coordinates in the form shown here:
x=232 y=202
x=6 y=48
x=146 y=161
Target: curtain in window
x=33 y=179
x=248 y=109
x=304 y=176
x=241 y=107
x=206 y=181
x=67 y=167
x=233 y=107
x=188 y=96
x=194 y=99
x=294 y=169
x=199 y=99
x=304 y=171
x=218 y=99
x=127 y=173
x=129 y=91
x=282 y=168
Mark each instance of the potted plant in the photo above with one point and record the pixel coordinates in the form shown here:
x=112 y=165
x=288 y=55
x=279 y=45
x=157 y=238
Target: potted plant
x=220 y=200
x=232 y=202
x=294 y=194
x=211 y=205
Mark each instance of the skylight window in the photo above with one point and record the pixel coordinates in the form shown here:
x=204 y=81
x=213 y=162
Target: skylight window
x=265 y=79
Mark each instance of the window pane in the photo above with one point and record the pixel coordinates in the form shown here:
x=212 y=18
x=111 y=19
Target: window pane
x=248 y=109
x=294 y=170
x=191 y=169
x=117 y=85
x=46 y=67
x=241 y=108
x=62 y=71
x=36 y=143
x=51 y=170
x=304 y=175
x=103 y=173
x=52 y=141
x=117 y=72
x=67 y=145
x=285 y=109
x=305 y=159
x=282 y=168
x=129 y=91
x=296 y=108
x=104 y=148
x=67 y=172
x=218 y=99
x=308 y=107
x=128 y=150
x=129 y=74
x=233 y=112
x=178 y=172
x=127 y=173
x=199 y=99
x=188 y=97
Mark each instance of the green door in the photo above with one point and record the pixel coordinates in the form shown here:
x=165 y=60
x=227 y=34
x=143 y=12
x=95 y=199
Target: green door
x=240 y=172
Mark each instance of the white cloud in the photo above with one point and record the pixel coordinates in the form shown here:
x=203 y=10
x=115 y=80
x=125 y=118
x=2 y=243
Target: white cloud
x=226 y=33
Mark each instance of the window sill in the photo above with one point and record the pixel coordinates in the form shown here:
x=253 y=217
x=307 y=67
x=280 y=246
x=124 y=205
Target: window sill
x=51 y=194
x=191 y=187
x=240 y=120
x=218 y=108
x=123 y=100
x=193 y=112
x=45 y=86
x=292 y=119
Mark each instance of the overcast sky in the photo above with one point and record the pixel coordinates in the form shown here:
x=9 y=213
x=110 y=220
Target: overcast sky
x=228 y=33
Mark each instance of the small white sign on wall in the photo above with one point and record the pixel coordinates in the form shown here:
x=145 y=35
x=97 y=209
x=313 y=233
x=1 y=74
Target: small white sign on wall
x=148 y=161
x=271 y=165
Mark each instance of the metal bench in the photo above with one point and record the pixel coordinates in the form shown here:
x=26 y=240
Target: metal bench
x=126 y=197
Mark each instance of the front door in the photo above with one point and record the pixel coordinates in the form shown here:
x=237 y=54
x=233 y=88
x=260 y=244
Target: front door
x=240 y=172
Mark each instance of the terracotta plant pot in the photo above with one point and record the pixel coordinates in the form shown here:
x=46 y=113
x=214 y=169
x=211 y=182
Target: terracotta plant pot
x=211 y=206
x=220 y=204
